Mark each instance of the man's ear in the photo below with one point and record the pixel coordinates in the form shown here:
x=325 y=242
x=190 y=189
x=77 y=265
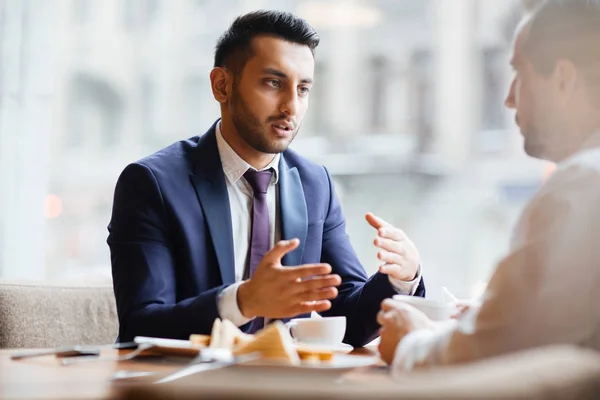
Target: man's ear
x=566 y=76
x=220 y=82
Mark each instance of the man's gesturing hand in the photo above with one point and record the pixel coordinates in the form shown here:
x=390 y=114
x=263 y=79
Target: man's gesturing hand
x=275 y=291
x=399 y=254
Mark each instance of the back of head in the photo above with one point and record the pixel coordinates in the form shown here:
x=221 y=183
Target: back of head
x=566 y=29
x=234 y=47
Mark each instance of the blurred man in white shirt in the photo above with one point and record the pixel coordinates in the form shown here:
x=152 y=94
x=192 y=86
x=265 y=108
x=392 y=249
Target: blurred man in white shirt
x=545 y=291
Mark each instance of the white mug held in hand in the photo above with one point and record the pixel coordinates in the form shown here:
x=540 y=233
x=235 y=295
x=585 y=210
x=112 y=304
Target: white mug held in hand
x=328 y=330
x=436 y=311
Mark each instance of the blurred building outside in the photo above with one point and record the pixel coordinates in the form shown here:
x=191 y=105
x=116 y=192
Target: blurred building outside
x=406 y=113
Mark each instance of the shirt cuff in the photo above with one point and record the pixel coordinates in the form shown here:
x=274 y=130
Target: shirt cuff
x=228 y=307
x=421 y=347
x=406 y=287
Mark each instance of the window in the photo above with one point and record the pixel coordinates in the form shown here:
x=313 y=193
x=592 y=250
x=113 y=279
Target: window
x=114 y=107
x=379 y=68
x=493 y=88
x=139 y=13
x=82 y=11
x=317 y=115
x=422 y=98
x=194 y=90
x=149 y=120
x=94 y=113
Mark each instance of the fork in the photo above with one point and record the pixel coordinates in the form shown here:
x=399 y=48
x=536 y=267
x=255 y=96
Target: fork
x=124 y=357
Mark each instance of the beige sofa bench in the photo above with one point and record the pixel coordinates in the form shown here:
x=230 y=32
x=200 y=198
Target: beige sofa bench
x=37 y=316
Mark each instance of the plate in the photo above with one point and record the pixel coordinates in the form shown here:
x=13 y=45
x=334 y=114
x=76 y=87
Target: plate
x=341 y=358
x=169 y=347
x=339 y=362
x=336 y=348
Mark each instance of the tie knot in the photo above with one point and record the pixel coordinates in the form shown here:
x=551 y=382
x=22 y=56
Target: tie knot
x=259 y=180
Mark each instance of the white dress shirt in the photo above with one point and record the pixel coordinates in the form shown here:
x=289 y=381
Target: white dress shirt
x=545 y=291
x=241 y=199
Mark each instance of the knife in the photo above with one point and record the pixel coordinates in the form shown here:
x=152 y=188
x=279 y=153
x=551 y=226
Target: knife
x=208 y=360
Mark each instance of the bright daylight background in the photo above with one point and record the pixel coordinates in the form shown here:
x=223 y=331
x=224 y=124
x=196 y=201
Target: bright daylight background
x=407 y=113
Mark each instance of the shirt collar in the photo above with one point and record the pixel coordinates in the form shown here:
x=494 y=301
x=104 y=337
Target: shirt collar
x=234 y=166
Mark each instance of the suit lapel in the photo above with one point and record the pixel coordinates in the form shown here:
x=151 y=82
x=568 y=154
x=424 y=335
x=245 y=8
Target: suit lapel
x=292 y=203
x=208 y=180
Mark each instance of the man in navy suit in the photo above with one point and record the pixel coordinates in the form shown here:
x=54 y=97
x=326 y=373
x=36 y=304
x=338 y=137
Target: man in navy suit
x=233 y=224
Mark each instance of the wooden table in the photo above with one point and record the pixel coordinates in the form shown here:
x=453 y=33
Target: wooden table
x=45 y=378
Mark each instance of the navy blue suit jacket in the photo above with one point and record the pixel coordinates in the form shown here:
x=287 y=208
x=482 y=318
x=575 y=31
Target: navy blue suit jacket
x=171 y=242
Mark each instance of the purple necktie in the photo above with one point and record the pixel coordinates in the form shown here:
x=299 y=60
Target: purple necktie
x=260 y=238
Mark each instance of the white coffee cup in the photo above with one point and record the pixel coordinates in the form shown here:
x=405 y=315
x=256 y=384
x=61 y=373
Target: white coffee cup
x=327 y=330
x=435 y=310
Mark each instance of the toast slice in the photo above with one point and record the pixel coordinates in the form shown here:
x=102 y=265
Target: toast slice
x=215 y=334
x=224 y=334
x=200 y=341
x=273 y=342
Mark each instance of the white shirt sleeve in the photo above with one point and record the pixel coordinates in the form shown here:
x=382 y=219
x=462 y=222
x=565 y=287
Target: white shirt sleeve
x=406 y=287
x=543 y=292
x=228 y=307
x=416 y=347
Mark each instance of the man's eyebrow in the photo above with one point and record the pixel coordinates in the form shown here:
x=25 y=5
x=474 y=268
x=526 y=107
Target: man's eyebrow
x=276 y=72
x=273 y=71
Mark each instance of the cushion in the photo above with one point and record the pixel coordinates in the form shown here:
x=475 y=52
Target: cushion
x=37 y=316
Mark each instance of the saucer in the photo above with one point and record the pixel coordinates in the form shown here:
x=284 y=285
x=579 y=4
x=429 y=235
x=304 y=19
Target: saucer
x=338 y=363
x=342 y=348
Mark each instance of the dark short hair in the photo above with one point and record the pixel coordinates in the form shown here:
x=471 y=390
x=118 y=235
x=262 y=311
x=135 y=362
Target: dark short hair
x=234 y=47
x=565 y=29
